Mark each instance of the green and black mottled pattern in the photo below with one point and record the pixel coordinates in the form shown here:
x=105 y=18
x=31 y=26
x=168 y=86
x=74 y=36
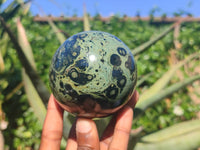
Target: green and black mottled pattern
x=93 y=64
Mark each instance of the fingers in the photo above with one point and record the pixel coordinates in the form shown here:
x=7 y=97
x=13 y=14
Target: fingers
x=52 y=128
x=71 y=142
x=86 y=134
x=114 y=126
x=83 y=135
x=122 y=129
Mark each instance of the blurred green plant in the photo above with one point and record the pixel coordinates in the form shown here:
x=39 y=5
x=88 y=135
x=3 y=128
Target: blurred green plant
x=86 y=19
x=33 y=96
x=164 y=107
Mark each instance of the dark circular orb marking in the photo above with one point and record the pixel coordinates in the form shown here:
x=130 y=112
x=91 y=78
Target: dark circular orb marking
x=82 y=36
x=117 y=72
x=121 y=79
x=89 y=77
x=115 y=60
x=70 y=90
x=82 y=64
x=121 y=82
x=102 y=60
x=112 y=91
x=130 y=64
x=61 y=84
x=73 y=74
x=75 y=52
x=80 y=78
x=121 y=51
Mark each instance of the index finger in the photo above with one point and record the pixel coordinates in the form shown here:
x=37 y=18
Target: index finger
x=122 y=129
x=53 y=125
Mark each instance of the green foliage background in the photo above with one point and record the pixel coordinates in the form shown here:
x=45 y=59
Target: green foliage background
x=24 y=130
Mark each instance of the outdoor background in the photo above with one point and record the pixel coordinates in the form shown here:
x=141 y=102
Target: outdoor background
x=110 y=7
x=163 y=37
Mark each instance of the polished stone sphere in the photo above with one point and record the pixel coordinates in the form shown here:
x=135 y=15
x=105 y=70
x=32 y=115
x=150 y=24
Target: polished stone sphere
x=93 y=74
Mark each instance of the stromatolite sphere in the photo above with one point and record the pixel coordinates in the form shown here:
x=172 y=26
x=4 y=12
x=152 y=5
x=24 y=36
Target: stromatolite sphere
x=93 y=74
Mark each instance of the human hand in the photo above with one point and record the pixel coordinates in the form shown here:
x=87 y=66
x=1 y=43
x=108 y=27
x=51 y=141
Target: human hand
x=84 y=134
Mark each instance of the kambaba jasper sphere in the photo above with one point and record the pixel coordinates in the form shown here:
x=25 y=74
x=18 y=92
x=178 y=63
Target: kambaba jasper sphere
x=93 y=74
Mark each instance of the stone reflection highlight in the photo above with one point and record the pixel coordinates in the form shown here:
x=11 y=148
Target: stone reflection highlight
x=92 y=58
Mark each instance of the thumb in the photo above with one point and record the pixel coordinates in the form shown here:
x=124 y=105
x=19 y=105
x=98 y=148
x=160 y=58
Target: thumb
x=86 y=134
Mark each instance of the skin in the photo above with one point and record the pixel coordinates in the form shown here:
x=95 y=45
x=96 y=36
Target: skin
x=84 y=134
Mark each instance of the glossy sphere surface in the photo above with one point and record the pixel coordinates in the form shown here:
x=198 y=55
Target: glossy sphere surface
x=93 y=74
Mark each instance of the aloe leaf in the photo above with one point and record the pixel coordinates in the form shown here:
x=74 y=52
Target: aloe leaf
x=141 y=106
x=12 y=9
x=2 y=66
x=134 y=137
x=24 y=5
x=173 y=131
x=35 y=79
x=59 y=35
x=143 y=78
x=164 y=80
x=24 y=43
x=26 y=8
x=3 y=48
x=102 y=124
x=32 y=95
x=34 y=99
x=149 y=43
x=4 y=43
x=67 y=123
x=184 y=136
x=86 y=19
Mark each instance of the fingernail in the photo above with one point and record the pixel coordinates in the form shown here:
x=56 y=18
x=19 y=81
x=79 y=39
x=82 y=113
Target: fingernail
x=83 y=126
